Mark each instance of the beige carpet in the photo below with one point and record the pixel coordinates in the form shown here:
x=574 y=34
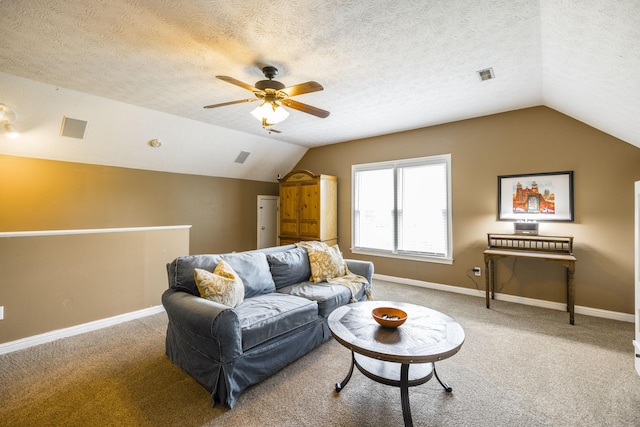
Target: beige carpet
x=519 y=366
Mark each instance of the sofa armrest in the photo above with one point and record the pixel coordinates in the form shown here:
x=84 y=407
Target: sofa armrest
x=363 y=268
x=211 y=328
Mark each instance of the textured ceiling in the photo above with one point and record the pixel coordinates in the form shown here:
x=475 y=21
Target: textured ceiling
x=386 y=65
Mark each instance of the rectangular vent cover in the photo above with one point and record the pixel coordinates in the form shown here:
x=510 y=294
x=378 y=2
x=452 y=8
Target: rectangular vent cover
x=242 y=156
x=486 y=74
x=73 y=128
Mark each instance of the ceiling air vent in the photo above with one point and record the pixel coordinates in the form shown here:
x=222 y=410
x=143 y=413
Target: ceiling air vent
x=73 y=128
x=242 y=157
x=486 y=74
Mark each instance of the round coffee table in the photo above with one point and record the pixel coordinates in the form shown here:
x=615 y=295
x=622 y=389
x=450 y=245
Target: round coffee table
x=385 y=354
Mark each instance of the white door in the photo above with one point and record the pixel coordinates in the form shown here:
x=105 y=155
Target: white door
x=636 y=342
x=267 y=221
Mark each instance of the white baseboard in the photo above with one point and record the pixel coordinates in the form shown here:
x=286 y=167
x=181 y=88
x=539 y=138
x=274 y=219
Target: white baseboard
x=46 y=337
x=588 y=311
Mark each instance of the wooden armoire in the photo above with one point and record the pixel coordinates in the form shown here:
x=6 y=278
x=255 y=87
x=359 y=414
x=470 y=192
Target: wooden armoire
x=308 y=208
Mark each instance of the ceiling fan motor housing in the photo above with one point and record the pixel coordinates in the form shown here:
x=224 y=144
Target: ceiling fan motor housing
x=269 y=84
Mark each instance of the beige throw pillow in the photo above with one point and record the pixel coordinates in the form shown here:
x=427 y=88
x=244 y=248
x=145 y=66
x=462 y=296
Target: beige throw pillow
x=223 y=286
x=326 y=262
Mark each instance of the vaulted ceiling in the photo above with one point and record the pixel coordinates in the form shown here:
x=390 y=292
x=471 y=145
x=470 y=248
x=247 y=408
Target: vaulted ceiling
x=386 y=65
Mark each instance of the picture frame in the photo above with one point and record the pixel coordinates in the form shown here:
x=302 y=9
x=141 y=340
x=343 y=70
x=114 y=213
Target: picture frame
x=536 y=197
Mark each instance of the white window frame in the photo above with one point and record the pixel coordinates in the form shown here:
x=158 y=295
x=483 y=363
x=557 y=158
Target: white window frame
x=438 y=159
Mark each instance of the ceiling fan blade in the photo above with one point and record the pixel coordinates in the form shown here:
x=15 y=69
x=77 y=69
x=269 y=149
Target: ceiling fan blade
x=238 y=83
x=231 y=103
x=305 y=108
x=302 y=88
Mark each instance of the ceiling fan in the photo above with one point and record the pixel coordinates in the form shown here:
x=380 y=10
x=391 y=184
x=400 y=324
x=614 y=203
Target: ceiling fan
x=274 y=95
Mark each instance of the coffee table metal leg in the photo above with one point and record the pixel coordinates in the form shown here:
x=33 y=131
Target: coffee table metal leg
x=343 y=383
x=404 y=395
x=446 y=386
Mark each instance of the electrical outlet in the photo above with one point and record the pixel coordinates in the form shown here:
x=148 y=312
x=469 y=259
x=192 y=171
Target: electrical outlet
x=477 y=271
x=1 y=312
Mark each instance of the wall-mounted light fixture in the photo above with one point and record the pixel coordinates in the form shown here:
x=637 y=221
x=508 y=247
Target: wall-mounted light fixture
x=7 y=117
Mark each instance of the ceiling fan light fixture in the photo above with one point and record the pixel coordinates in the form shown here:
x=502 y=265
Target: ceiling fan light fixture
x=271 y=112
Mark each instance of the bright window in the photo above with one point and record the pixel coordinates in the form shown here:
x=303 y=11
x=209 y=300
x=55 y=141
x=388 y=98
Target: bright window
x=403 y=208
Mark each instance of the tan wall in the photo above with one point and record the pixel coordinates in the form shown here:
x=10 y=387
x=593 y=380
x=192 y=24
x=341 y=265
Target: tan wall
x=526 y=141
x=57 y=281
x=51 y=195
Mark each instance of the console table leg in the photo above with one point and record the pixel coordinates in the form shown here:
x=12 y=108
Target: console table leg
x=446 y=386
x=404 y=395
x=571 y=291
x=487 y=283
x=493 y=279
x=343 y=383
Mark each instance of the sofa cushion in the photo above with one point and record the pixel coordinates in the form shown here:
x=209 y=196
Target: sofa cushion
x=268 y=316
x=253 y=269
x=329 y=296
x=289 y=267
x=222 y=286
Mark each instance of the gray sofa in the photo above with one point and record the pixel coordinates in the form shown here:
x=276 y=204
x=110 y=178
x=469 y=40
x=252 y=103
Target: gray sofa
x=282 y=317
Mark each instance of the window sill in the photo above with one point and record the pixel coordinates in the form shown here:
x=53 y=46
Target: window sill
x=404 y=257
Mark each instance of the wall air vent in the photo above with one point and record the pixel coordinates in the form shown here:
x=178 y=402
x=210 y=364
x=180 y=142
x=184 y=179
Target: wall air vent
x=242 y=157
x=486 y=74
x=73 y=128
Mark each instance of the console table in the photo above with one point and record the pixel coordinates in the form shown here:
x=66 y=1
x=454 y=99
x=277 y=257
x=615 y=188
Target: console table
x=557 y=249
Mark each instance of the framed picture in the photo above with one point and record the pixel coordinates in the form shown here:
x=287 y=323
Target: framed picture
x=536 y=197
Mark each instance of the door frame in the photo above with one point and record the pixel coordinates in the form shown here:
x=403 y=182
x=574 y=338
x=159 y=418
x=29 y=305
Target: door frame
x=265 y=197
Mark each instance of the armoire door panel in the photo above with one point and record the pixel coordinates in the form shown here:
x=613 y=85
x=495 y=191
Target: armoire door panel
x=310 y=228
x=289 y=202
x=309 y=202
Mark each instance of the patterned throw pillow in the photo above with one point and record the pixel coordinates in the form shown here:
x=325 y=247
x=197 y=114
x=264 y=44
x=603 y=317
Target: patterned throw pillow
x=222 y=286
x=326 y=262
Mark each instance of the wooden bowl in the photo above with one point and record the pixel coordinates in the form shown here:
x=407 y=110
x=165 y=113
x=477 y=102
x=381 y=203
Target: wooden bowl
x=389 y=317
